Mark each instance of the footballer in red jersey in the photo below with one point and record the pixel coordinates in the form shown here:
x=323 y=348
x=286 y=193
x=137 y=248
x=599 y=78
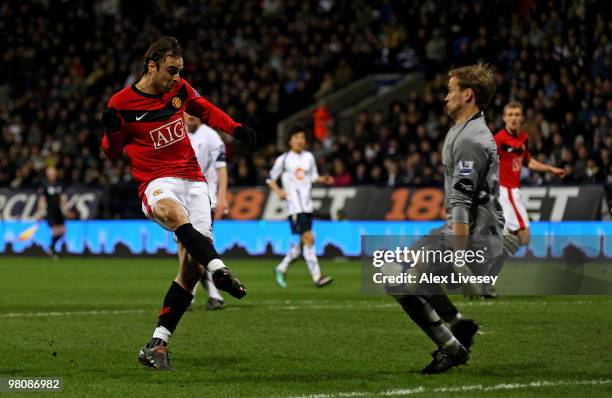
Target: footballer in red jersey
x=513 y=154
x=145 y=121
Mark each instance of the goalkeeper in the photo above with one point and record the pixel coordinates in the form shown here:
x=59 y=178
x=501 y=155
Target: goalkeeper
x=475 y=217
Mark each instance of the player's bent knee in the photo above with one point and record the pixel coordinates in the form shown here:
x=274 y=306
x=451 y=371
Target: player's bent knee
x=308 y=238
x=170 y=213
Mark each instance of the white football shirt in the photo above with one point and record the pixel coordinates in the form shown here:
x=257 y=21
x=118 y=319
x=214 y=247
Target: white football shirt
x=210 y=152
x=297 y=172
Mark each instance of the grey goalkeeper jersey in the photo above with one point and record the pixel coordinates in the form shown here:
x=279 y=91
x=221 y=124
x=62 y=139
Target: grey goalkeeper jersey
x=471 y=179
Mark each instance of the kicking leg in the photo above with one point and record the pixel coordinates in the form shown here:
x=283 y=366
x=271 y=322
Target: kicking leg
x=172 y=215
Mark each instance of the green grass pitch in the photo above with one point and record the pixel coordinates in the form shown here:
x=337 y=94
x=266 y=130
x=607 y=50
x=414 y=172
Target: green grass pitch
x=84 y=319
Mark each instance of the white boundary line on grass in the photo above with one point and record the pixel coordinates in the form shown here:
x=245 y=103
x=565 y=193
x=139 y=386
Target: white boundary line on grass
x=487 y=303
x=289 y=306
x=474 y=387
x=69 y=313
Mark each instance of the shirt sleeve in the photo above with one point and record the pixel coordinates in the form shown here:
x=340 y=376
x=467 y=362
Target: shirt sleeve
x=470 y=158
x=207 y=112
x=498 y=140
x=277 y=169
x=218 y=153
x=314 y=173
x=112 y=144
x=527 y=155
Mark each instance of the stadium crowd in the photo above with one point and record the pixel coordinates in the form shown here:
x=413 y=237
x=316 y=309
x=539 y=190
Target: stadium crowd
x=262 y=61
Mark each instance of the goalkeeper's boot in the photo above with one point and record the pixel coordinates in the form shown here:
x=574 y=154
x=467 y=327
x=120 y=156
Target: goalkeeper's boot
x=489 y=292
x=280 y=278
x=465 y=330
x=155 y=357
x=225 y=280
x=444 y=359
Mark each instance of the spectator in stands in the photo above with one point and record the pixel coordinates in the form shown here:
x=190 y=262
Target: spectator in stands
x=342 y=177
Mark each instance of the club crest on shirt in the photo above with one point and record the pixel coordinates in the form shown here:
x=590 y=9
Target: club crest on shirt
x=465 y=167
x=176 y=102
x=299 y=174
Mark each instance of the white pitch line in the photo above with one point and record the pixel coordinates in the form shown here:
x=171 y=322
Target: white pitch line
x=474 y=387
x=367 y=305
x=297 y=306
x=69 y=313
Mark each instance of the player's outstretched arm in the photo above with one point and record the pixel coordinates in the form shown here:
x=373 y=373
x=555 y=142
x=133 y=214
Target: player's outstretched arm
x=326 y=179
x=546 y=168
x=217 y=119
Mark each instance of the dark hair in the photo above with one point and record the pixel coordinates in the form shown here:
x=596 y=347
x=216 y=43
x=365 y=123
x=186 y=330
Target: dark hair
x=480 y=79
x=165 y=46
x=297 y=129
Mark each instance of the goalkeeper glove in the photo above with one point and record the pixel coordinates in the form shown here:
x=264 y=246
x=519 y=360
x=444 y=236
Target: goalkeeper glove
x=511 y=243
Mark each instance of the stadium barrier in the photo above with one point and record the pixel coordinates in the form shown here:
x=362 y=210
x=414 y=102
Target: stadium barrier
x=273 y=238
x=550 y=203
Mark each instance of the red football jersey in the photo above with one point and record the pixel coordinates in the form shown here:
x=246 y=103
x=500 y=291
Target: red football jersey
x=154 y=135
x=513 y=153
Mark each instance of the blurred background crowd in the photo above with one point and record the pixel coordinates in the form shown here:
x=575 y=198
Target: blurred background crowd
x=261 y=61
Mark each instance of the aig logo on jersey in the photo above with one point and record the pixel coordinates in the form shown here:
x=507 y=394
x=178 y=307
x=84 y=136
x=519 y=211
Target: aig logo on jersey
x=299 y=174
x=168 y=134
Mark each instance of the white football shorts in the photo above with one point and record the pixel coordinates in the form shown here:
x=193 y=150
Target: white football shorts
x=515 y=213
x=191 y=195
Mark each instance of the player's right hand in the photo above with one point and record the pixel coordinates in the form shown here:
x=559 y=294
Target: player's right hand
x=558 y=172
x=282 y=195
x=222 y=205
x=111 y=120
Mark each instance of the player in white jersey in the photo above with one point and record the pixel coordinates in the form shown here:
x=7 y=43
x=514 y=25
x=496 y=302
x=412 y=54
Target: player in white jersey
x=297 y=170
x=210 y=153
